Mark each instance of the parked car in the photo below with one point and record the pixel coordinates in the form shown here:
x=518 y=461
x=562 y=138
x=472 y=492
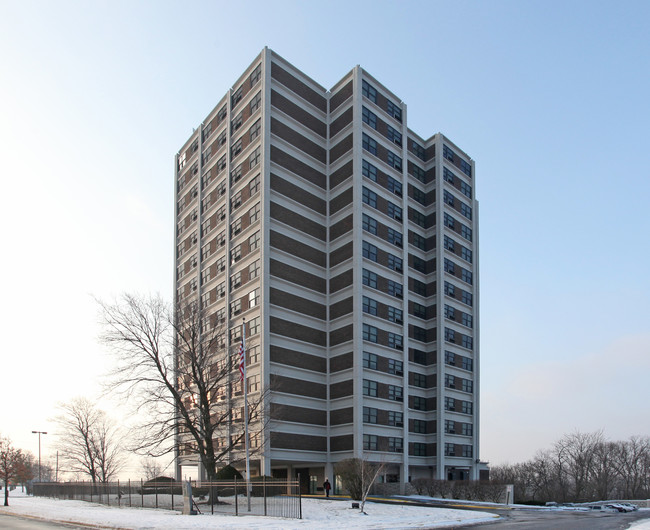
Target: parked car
x=601 y=508
x=633 y=507
x=623 y=506
x=616 y=507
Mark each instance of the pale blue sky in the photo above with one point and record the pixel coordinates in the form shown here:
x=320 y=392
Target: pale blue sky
x=549 y=98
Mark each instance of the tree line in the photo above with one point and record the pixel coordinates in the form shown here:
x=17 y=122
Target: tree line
x=581 y=467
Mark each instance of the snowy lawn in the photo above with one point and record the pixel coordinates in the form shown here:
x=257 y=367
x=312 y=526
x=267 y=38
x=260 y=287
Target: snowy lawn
x=316 y=513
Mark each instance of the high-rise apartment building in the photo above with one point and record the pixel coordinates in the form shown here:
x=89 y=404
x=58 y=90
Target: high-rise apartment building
x=350 y=246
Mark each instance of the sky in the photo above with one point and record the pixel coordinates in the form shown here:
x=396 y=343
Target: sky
x=549 y=98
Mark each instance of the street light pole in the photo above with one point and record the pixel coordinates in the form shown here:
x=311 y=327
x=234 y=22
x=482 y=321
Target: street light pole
x=39 y=452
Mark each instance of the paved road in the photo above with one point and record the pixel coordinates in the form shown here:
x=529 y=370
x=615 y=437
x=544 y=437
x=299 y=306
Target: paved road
x=11 y=522
x=566 y=520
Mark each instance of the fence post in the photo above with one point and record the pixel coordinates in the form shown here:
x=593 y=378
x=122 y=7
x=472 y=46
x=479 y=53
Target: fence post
x=299 y=498
x=212 y=497
x=107 y=489
x=91 y=491
x=155 y=488
x=119 y=493
x=129 y=493
x=171 y=490
x=236 y=498
x=264 y=490
x=142 y=492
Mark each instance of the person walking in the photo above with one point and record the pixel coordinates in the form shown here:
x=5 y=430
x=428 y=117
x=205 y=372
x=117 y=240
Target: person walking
x=327 y=487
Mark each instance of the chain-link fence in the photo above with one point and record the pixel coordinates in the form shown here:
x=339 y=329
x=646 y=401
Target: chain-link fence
x=272 y=497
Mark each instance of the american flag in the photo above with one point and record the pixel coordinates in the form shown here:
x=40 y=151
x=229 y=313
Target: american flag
x=242 y=357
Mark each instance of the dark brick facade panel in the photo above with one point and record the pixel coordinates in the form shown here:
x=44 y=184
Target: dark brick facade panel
x=341 y=148
x=430 y=152
x=298 y=359
x=341 y=443
x=298 y=194
x=298 y=249
x=341 y=362
x=341 y=122
x=341 y=254
x=344 y=307
x=341 y=335
x=300 y=222
x=341 y=175
x=299 y=442
x=298 y=87
x=299 y=387
x=298 y=140
x=298 y=414
x=340 y=96
x=298 y=113
x=340 y=201
x=342 y=389
x=297 y=303
x=297 y=167
x=297 y=331
x=342 y=227
x=297 y=276
x=341 y=416
x=341 y=281
x=430 y=449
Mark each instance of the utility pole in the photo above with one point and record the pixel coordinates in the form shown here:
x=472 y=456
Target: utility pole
x=39 y=452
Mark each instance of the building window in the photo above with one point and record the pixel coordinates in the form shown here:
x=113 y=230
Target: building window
x=467 y=342
x=369 y=197
x=394 y=136
x=467 y=320
x=369 y=278
x=394 y=237
x=235 y=254
x=394 y=211
x=466 y=210
x=254 y=213
x=395 y=315
x=369 y=360
x=393 y=110
x=419 y=287
x=254 y=326
x=450 y=312
x=419 y=196
x=418 y=241
x=395 y=186
x=235 y=280
x=466 y=189
x=254 y=131
x=419 y=449
x=466 y=276
x=466 y=254
x=369 y=251
x=447 y=153
x=253 y=298
x=236 y=149
x=466 y=429
x=449 y=221
x=369 y=415
x=395 y=289
x=369 y=333
x=419 y=334
x=450 y=381
x=369 y=144
x=395 y=393
x=395 y=419
x=254 y=159
x=418 y=172
x=420 y=426
x=369 y=306
x=256 y=102
x=449 y=244
x=466 y=407
x=254 y=241
x=395 y=341
x=254 y=186
x=448 y=198
x=467 y=386
x=419 y=380
x=369 y=117
x=236 y=122
x=369 y=388
x=393 y=160
x=418 y=150
x=369 y=91
x=419 y=403
x=418 y=218
x=450 y=404
x=466 y=232
x=395 y=367
x=450 y=335
x=450 y=289
x=235 y=174
x=368 y=170
x=395 y=263
x=419 y=264
x=450 y=267
x=447 y=175
x=369 y=224
x=256 y=74
x=468 y=451
x=450 y=358
x=450 y=427
x=254 y=270
x=466 y=168
x=467 y=364
x=236 y=97
x=419 y=310
x=369 y=442
x=395 y=445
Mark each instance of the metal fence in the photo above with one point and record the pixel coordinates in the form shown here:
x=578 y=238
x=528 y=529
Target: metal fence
x=272 y=497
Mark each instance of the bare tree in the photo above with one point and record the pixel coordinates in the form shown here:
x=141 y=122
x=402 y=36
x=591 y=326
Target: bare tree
x=13 y=466
x=89 y=441
x=175 y=367
x=151 y=468
x=358 y=475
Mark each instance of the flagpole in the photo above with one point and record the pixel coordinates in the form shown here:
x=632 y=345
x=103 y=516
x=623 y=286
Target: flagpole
x=242 y=365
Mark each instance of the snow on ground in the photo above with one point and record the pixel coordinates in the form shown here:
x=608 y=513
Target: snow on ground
x=641 y=525
x=316 y=513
